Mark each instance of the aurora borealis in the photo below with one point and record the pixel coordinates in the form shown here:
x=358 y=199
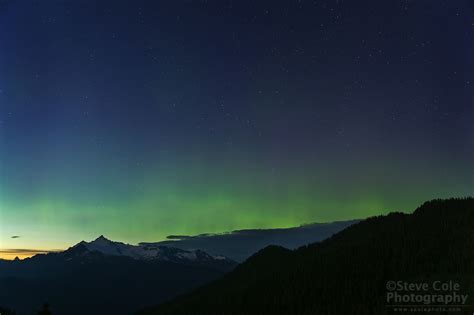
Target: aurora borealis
x=140 y=119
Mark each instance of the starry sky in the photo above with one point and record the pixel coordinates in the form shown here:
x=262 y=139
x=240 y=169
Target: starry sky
x=140 y=119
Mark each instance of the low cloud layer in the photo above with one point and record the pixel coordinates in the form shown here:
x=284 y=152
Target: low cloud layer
x=239 y=245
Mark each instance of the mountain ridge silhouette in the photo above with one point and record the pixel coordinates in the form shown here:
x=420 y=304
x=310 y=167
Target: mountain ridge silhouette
x=348 y=272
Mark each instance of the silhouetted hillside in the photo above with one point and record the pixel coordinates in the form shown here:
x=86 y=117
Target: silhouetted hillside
x=349 y=272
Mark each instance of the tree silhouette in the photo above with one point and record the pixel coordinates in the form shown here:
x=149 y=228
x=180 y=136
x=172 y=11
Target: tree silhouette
x=45 y=310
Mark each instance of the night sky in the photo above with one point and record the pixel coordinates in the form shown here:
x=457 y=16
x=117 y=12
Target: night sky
x=140 y=119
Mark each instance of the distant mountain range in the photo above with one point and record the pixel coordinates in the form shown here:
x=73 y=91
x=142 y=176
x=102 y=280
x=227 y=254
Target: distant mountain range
x=148 y=252
x=241 y=244
x=105 y=277
x=351 y=272
x=114 y=277
x=345 y=269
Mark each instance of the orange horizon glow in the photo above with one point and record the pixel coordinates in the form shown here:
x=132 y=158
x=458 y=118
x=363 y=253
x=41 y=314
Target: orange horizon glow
x=11 y=254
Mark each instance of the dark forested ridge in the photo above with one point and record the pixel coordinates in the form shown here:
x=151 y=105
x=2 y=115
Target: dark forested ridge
x=347 y=273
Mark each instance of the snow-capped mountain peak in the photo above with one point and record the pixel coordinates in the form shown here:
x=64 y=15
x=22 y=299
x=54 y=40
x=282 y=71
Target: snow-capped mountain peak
x=102 y=239
x=107 y=247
